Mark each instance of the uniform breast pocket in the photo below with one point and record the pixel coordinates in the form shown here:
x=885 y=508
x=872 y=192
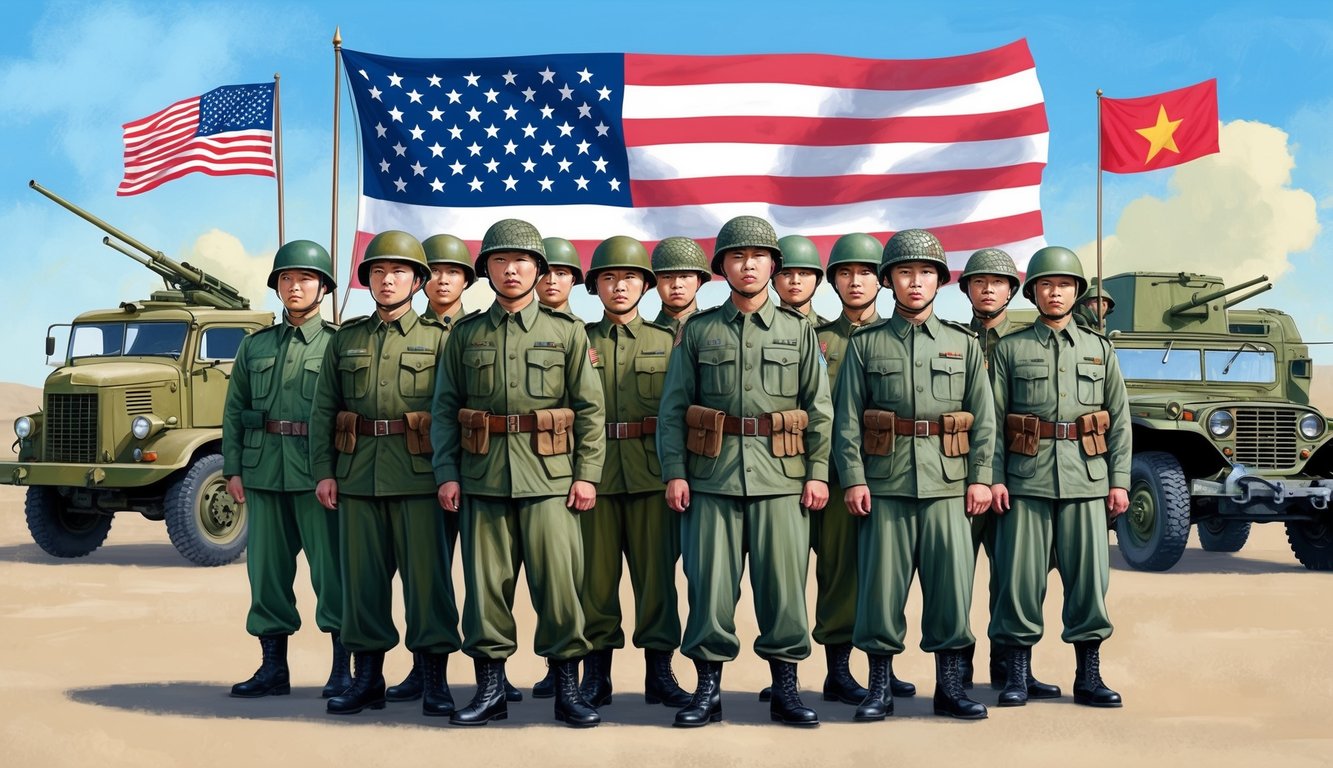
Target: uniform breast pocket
x=416 y=374
x=310 y=377
x=780 y=371
x=479 y=371
x=261 y=377
x=885 y=380
x=717 y=371
x=649 y=375
x=1030 y=386
x=252 y=447
x=1091 y=384
x=354 y=372
x=546 y=372
x=947 y=376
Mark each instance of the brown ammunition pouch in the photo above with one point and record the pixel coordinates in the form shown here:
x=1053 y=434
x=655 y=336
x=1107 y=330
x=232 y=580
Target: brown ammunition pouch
x=787 y=436
x=880 y=427
x=344 y=431
x=418 y=433
x=703 y=431
x=1023 y=432
x=1092 y=429
x=953 y=433
x=551 y=436
x=476 y=430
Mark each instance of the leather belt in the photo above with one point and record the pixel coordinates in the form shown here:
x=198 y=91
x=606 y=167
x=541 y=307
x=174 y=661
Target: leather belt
x=380 y=427
x=747 y=426
x=918 y=428
x=297 y=428
x=1059 y=430
x=499 y=423
x=628 y=430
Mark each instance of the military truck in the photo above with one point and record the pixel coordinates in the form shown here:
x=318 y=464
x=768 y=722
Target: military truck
x=1224 y=432
x=131 y=419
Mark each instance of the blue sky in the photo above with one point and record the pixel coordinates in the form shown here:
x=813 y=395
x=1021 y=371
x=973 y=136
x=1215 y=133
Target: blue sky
x=73 y=72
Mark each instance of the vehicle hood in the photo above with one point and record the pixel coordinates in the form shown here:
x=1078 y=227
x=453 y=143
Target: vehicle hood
x=114 y=374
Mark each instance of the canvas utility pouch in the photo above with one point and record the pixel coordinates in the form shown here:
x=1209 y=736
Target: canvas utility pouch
x=476 y=431
x=954 y=427
x=1023 y=432
x=1092 y=429
x=551 y=436
x=788 y=432
x=344 y=431
x=880 y=426
x=418 y=433
x=703 y=431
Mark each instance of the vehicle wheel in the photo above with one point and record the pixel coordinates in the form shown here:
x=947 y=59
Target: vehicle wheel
x=1153 y=533
x=1312 y=542
x=207 y=526
x=61 y=531
x=1221 y=535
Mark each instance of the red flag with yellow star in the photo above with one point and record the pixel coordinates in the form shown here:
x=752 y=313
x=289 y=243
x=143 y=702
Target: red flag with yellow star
x=1160 y=131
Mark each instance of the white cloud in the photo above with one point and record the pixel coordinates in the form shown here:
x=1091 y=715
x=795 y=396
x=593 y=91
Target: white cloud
x=223 y=256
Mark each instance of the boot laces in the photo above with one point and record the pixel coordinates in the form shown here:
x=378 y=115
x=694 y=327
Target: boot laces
x=952 y=668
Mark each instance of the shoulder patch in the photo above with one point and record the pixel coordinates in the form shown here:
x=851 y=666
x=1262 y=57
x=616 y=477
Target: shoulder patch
x=592 y=356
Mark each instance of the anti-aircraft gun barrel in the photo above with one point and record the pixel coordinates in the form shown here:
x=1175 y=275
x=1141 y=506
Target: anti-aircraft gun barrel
x=1261 y=289
x=1200 y=300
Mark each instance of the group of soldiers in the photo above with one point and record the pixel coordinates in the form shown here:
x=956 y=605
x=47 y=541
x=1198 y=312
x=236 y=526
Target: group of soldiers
x=527 y=439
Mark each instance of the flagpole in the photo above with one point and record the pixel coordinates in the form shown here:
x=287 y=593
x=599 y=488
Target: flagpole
x=1101 y=316
x=333 y=234
x=277 y=153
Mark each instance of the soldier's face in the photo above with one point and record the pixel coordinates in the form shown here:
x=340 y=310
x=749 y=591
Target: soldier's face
x=553 y=288
x=1100 y=307
x=298 y=287
x=856 y=284
x=445 y=286
x=620 y=289
x=914 y=284
x=748 y=270
x=988 y=292
x=1054 y=295
x=512 y=273
x=392 y=281
x=677 y=289
x=796 y=286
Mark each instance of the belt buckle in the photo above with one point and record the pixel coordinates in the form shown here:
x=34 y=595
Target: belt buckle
x=622 y=430
x=511 y=423
x=380 y=427
x=1063 y=430
x=749 y=426
x=921 y=428
x=284 y=427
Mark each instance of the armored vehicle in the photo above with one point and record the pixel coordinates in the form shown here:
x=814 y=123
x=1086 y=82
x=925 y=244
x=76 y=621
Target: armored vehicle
x=131 y=418
x=1224 y=432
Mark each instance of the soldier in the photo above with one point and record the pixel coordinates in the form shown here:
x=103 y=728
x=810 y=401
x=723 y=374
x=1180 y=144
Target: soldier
x=631 y=520
x=681 y=269
x=564 y=271
x=519 y=414
x=1094 y=306
x=746 y=396
x=370 y=452
x=911 y=396
x=265 y=424
x=1063 y=464
x=801 y=274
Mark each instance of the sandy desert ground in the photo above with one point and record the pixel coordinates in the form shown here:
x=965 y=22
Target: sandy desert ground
x=124 y=658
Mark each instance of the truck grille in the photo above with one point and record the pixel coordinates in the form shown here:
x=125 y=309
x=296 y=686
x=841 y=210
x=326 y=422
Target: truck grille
x=138 y=401
x=71 y=428
x=1265 y=438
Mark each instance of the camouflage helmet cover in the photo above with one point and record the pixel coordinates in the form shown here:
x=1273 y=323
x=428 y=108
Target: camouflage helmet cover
x=746 y=232
x=620 y=252
x=915 y=245
x=681 y=254
x=511 y=235
x=990 y=261
x=303 y=254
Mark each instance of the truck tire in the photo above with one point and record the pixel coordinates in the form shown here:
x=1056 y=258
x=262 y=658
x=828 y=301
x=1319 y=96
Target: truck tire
x=1217 y=534
x=207 y=526
x=1152 y=535
x=1312 y=542
x=59 y=530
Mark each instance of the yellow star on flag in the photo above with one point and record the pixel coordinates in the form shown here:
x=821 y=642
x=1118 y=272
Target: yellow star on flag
x=1160 y=136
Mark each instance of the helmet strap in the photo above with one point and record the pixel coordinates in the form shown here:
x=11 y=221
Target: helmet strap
x=394 y=307
x=312 y=308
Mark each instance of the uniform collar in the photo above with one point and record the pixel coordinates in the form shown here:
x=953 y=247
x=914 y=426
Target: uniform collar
x=631 y=329
x=763 y=315
x=845 y=326
x=901 y=326
x=446 y=320
x=306 y=331
x=1046 y=332
x=1000 y=329
x=402 y=325
x=525 y=317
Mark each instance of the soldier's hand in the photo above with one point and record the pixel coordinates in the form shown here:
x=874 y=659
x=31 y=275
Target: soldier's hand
x=858 y=500
x=678 y=495
x=1117 y=502
x=815 y=495
x=236 y=488
x=582 y=496
x=978 y=499
x=999 y=498
x=326 y=493
x=449 y=495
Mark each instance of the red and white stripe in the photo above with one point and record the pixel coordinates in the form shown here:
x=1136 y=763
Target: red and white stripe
x=166 y=146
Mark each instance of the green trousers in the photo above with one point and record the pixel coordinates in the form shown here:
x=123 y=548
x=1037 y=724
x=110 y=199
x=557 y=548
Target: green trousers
x=638 y=529
x=833 y=533
x=281 y=525
x=409 y=534
x=983 y=537
x=1025 y=538
x=900 y=537
x=716 y=534
x=542 y=535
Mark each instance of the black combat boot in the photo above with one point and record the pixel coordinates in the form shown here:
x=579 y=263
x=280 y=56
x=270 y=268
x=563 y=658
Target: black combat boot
x=272 y=677
x=489 y=701
x=436 y=700
x=900 y=688
x=786 y=706
x=570 y=708
x=839 y=685
x=659 y=681
x=1088 y=686
x=367 y=688
x=545 y=687
x=411 y=687
x=999 y=672
x=878 y=703
x=512 y=694
x=1018 y=669
x=596 y=686
x=340 y=675
x=706 y=704
x=969 y=669
x=950 y=697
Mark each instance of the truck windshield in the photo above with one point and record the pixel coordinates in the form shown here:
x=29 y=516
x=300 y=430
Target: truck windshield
x=127 y=339
x=1164 y=364
x=1244 y=365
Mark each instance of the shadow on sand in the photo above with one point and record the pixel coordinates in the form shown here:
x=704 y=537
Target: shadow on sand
x=1201 y=561
x=146 y=555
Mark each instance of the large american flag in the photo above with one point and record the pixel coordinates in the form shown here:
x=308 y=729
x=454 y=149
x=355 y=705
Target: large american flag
x=586 y=146
x=225 y=132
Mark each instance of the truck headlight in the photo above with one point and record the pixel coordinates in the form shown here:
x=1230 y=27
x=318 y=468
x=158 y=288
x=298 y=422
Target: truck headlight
x=1220 y=423
x=143 y=427
x=23 y=427
x=1311 y=426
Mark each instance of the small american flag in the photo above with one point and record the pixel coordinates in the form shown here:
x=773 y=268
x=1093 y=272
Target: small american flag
x=586 y=146
x=226 y=132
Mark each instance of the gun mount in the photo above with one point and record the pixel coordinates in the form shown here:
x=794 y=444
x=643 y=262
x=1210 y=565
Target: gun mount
x=1169 y=302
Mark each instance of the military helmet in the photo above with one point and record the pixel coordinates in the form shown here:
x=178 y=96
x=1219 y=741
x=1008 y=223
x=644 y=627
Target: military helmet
x=1054 y=260
x=447 y=249
x=914 y=245
x=800 y=252
x=393 y=245
x=990 y=261
x=746 y=232
x=854 y=248
x=1096 y=291
x=620 y=252
x=681 y=254
x=562 y=253
x=511 y=235
x=303 y=254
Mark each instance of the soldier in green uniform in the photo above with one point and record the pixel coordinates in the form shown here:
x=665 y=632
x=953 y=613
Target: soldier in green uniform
x=563 y=272
x=1063 y=464
x=1095 y=304
x=265 y=424
x=913 y=440
x=681 y=268
x=743 y=443
x=370 y=453
x=631 y=521
x=518 y=419
x=801 y=273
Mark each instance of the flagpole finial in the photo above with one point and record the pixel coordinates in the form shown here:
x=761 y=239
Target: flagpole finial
x=1099 y=93
x=337 y=37
x=277 y=76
